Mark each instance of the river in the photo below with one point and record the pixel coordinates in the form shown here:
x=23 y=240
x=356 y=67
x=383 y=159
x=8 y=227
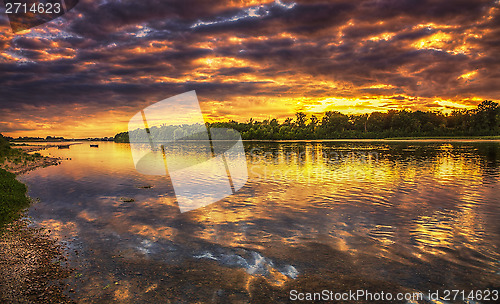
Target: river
x=399 y=216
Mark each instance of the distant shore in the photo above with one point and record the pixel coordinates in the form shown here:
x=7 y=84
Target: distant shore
x=493 y=138
x=353 y=139
x=389 y=139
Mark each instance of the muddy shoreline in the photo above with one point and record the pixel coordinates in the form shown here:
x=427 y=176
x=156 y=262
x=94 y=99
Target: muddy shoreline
x=22 y=163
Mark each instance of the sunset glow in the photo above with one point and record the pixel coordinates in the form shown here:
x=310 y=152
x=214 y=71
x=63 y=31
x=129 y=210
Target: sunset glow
x=88 y=72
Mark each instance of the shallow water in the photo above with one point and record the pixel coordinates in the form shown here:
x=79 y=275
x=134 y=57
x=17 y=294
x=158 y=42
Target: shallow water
x=381 y=216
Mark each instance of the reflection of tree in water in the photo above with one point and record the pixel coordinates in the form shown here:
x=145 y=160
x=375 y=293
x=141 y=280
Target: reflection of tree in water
x=490 y=155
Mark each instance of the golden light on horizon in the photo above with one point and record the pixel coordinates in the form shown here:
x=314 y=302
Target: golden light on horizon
x=110 y=123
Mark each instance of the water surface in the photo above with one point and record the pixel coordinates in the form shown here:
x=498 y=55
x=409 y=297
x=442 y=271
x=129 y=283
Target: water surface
x=382 y=216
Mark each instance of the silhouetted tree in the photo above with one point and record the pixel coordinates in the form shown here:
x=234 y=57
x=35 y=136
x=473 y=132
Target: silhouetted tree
x=483 y=120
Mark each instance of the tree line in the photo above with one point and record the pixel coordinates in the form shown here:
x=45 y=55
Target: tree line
x=484 y=120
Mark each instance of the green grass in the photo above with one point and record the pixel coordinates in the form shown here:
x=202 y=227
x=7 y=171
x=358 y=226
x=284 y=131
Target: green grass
x=17 y=156
x=13 y=199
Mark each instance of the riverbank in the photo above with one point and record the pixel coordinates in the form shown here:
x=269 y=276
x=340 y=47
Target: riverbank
x=402 y=139
x=32 y=268
x=390 y=139
x=21 y=159
x=488 y=138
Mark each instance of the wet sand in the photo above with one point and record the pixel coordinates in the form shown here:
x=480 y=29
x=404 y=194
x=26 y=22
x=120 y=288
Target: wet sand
x=32 y=266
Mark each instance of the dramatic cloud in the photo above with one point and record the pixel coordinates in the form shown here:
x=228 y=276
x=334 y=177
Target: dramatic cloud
x=87 y=72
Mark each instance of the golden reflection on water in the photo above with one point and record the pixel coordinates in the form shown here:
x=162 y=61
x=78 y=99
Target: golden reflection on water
x=375 y=202
x=410 y=186
x=59 y=229
x=153 y=233
x=313 y=170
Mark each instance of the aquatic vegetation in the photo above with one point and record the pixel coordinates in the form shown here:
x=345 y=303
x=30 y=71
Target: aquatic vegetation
x=127 y=199
x=145 y=187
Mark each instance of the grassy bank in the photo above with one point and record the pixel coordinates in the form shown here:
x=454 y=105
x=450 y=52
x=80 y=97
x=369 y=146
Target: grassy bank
x=31 y=262
x=18 y=161
x=13 y=199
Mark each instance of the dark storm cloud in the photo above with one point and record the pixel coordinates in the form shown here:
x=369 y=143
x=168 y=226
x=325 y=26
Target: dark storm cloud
x=301 y=18
x=25 y=43
x=436 y=10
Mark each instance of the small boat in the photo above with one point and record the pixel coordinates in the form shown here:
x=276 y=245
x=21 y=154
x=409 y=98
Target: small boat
x=94 y=146
x=63 y=147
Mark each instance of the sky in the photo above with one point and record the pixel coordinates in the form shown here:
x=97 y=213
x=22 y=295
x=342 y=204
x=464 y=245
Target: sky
x=86 y=73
